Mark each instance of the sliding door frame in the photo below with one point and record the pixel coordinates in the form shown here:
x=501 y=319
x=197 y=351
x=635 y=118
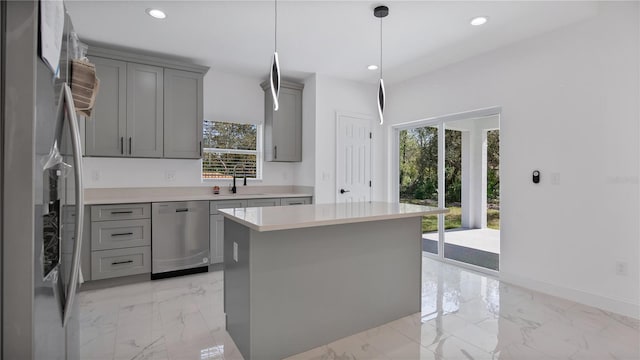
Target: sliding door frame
x=439 y=122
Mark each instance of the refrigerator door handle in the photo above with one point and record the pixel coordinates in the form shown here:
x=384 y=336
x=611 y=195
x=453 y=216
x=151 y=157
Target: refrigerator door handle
x=79 y=195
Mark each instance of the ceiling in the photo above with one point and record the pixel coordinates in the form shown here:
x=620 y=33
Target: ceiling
x=336 y=38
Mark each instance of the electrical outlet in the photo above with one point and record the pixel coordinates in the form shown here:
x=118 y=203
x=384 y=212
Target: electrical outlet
x=170 y=175
x=235 y=251
x=95 y=175
x=622 y=268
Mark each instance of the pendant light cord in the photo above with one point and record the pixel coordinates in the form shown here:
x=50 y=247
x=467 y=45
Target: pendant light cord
x=380 y=48
x=275 y=33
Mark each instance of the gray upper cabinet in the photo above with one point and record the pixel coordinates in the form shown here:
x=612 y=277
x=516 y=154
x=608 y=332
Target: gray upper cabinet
x=147 y=106
x=283 y=128
x=183 y=117
x=106 y=129
x=145 y=89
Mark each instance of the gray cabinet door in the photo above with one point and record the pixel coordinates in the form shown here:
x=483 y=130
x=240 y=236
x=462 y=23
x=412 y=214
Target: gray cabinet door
x=120 y=262
x=183 y=109
x=144 y=110
x=107 y=235
x=106 y=129
x=120 y=212
x=287 y=126
x=283 y=128
x=295 y=201
x=225 y=204
x=263 y=202
x=216 y=238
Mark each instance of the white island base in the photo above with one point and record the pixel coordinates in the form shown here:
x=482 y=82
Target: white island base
x=290 y=288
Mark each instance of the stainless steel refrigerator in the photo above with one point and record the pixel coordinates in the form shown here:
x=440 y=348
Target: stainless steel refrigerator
x=42 y=207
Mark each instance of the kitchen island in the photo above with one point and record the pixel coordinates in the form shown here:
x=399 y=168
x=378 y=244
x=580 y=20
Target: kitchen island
x=302 y=276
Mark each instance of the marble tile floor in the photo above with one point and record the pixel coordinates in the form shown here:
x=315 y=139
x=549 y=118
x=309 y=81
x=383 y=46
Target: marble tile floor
x=464 y=316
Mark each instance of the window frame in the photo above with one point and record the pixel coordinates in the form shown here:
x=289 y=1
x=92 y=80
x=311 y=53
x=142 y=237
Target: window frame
x=259 y=152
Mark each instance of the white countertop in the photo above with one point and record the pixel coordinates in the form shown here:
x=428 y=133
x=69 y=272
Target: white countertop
x=147 y=195
x=303 y=216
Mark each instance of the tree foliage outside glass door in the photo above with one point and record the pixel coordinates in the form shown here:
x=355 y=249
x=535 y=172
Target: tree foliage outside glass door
x=419 y=174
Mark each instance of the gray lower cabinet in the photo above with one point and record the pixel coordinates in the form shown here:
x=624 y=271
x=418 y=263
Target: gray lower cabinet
x=120 y=212
x=216 y=227
x=120 y=234
x=120 y=240
x=216 y=236
x=106 y=130
x=120 y=262
x=283 y=128
x=145 y=99
x=263 y=202
x=183 y=114
x=295 y=201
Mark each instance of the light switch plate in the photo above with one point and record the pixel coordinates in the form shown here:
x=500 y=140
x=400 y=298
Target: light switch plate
x=235 y=251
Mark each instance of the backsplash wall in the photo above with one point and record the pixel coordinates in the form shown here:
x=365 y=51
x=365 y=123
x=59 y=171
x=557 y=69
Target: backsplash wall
x=122 y=172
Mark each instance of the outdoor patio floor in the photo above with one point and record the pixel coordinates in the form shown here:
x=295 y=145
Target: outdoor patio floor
x=481 y=239
x=480 y=247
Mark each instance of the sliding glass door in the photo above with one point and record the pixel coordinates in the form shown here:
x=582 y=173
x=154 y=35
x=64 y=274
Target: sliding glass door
x=418 y=170
x=454 y=163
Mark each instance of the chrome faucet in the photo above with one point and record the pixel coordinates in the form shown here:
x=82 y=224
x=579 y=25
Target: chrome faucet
x=244 y=170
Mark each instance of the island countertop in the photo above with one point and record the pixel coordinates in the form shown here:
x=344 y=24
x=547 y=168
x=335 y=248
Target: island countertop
x=304 y=216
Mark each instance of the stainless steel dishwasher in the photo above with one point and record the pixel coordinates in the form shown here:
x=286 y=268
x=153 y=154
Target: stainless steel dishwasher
x=180 y=238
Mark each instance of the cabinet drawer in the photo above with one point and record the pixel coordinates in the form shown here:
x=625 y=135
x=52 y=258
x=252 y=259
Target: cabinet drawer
x=263 y=202
x=295 y=201
x=226 y=204
x=106 y=235
x=120 y=262
x=120 y=212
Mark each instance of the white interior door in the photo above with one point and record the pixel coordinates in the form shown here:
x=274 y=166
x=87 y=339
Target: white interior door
x=353 y=152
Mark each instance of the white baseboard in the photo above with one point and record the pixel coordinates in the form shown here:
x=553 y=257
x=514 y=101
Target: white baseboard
x=579 y=296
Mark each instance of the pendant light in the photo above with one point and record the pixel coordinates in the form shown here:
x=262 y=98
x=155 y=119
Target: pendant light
x=381 y=12
x=274 y=73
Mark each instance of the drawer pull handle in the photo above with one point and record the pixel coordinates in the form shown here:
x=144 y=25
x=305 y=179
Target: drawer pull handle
x=122 y=234
x=121 y=212
x=182 y=210
x=122 y=262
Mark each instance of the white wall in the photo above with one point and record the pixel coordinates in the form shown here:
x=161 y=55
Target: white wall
x=337 y=95
x=227 y=97
x=304 y=172
x=570 y=101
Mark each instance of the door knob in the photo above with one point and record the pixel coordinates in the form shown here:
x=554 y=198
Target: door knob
x=342 y=191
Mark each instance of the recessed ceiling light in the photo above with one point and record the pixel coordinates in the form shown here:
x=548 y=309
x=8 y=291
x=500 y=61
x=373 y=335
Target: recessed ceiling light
x=372 y=67
x=156 y=13
x=479 y=20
